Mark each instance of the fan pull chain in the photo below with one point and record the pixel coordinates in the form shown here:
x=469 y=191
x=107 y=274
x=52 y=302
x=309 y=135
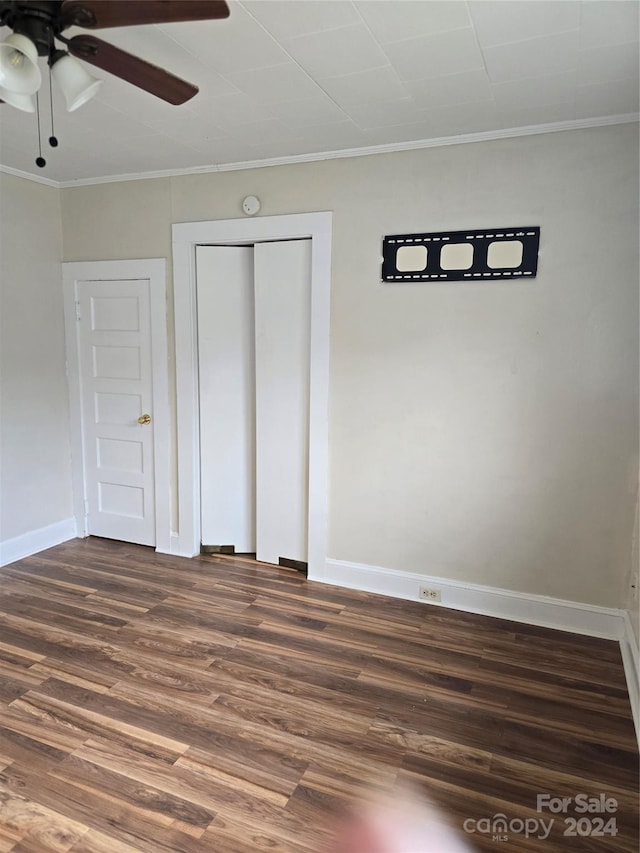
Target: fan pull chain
x=53 y=142
x=40 y=161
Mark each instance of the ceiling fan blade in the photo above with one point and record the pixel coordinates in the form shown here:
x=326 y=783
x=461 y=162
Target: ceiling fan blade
x=128 y=67
x=98 y=14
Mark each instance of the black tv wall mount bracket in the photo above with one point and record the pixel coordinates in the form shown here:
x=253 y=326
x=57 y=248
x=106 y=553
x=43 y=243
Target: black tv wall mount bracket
x=487 y=254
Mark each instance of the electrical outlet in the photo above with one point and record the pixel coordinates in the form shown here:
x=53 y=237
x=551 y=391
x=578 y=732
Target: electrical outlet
x=428 y=594
x=634 y=586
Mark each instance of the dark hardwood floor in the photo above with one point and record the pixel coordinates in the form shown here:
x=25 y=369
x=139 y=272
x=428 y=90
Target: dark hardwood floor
x=152 y=703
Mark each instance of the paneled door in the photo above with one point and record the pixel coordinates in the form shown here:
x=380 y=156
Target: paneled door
x=115 y=362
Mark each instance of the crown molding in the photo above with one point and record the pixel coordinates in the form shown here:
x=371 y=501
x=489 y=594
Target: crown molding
x=387 y=148
x=36 y=179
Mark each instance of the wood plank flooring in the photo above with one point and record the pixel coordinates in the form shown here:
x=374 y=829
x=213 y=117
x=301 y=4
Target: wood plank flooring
x=160 y=705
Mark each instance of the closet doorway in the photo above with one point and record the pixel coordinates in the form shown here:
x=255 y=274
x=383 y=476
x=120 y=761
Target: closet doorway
x=191 y=239
x=254 y=321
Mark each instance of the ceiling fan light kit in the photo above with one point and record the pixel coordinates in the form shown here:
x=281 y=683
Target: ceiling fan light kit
x=20 y=102
x=75 y=82
x=19 y=70
x=38 y=24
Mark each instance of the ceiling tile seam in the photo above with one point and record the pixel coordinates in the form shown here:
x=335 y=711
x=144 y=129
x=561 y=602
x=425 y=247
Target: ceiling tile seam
x=404 y=82
x=616 y=46
x=580 y=27
x=484 y=61
x=389 y=64
x=424 y=35
x=534 y=77
x=295 y=61
x=582 y=49
x=358 y=103
x=127 y=117
x=381 y=46
x=197 y=59
x=165 y=30
x=513 y=42
x=290 y=100
x=481 y=49
x=318 y=83
x=387 y=148
x=290 y=38
x=604 y=82
x=400 y=42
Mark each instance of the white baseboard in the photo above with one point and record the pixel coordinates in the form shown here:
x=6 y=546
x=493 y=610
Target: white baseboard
x=37 y=540
x=563 y=615
x=631 y=661
x=541 y=610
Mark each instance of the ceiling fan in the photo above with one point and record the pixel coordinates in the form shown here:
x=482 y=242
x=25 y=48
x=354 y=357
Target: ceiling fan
x=38 y=24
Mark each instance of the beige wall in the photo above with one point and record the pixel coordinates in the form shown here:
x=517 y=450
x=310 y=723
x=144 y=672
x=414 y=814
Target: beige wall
x=484 y=432
x=35 y=479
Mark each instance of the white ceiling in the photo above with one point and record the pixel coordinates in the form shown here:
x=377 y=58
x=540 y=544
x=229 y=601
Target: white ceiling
x=292 y=78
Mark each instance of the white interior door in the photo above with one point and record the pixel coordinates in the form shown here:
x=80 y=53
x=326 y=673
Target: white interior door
x=253 y=347
x=227 y=396
x=114 y=342
x=282 y=308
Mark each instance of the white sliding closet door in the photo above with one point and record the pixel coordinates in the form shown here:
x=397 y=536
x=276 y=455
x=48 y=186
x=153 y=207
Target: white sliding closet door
x=282 y=274
x=227 y=396
x=253 y=348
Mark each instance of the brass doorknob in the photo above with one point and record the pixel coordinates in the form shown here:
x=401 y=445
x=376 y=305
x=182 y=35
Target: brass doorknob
x=144 y=419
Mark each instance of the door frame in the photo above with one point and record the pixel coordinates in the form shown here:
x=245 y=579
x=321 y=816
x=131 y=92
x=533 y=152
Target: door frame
x=188 y=235
x=153 y=269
